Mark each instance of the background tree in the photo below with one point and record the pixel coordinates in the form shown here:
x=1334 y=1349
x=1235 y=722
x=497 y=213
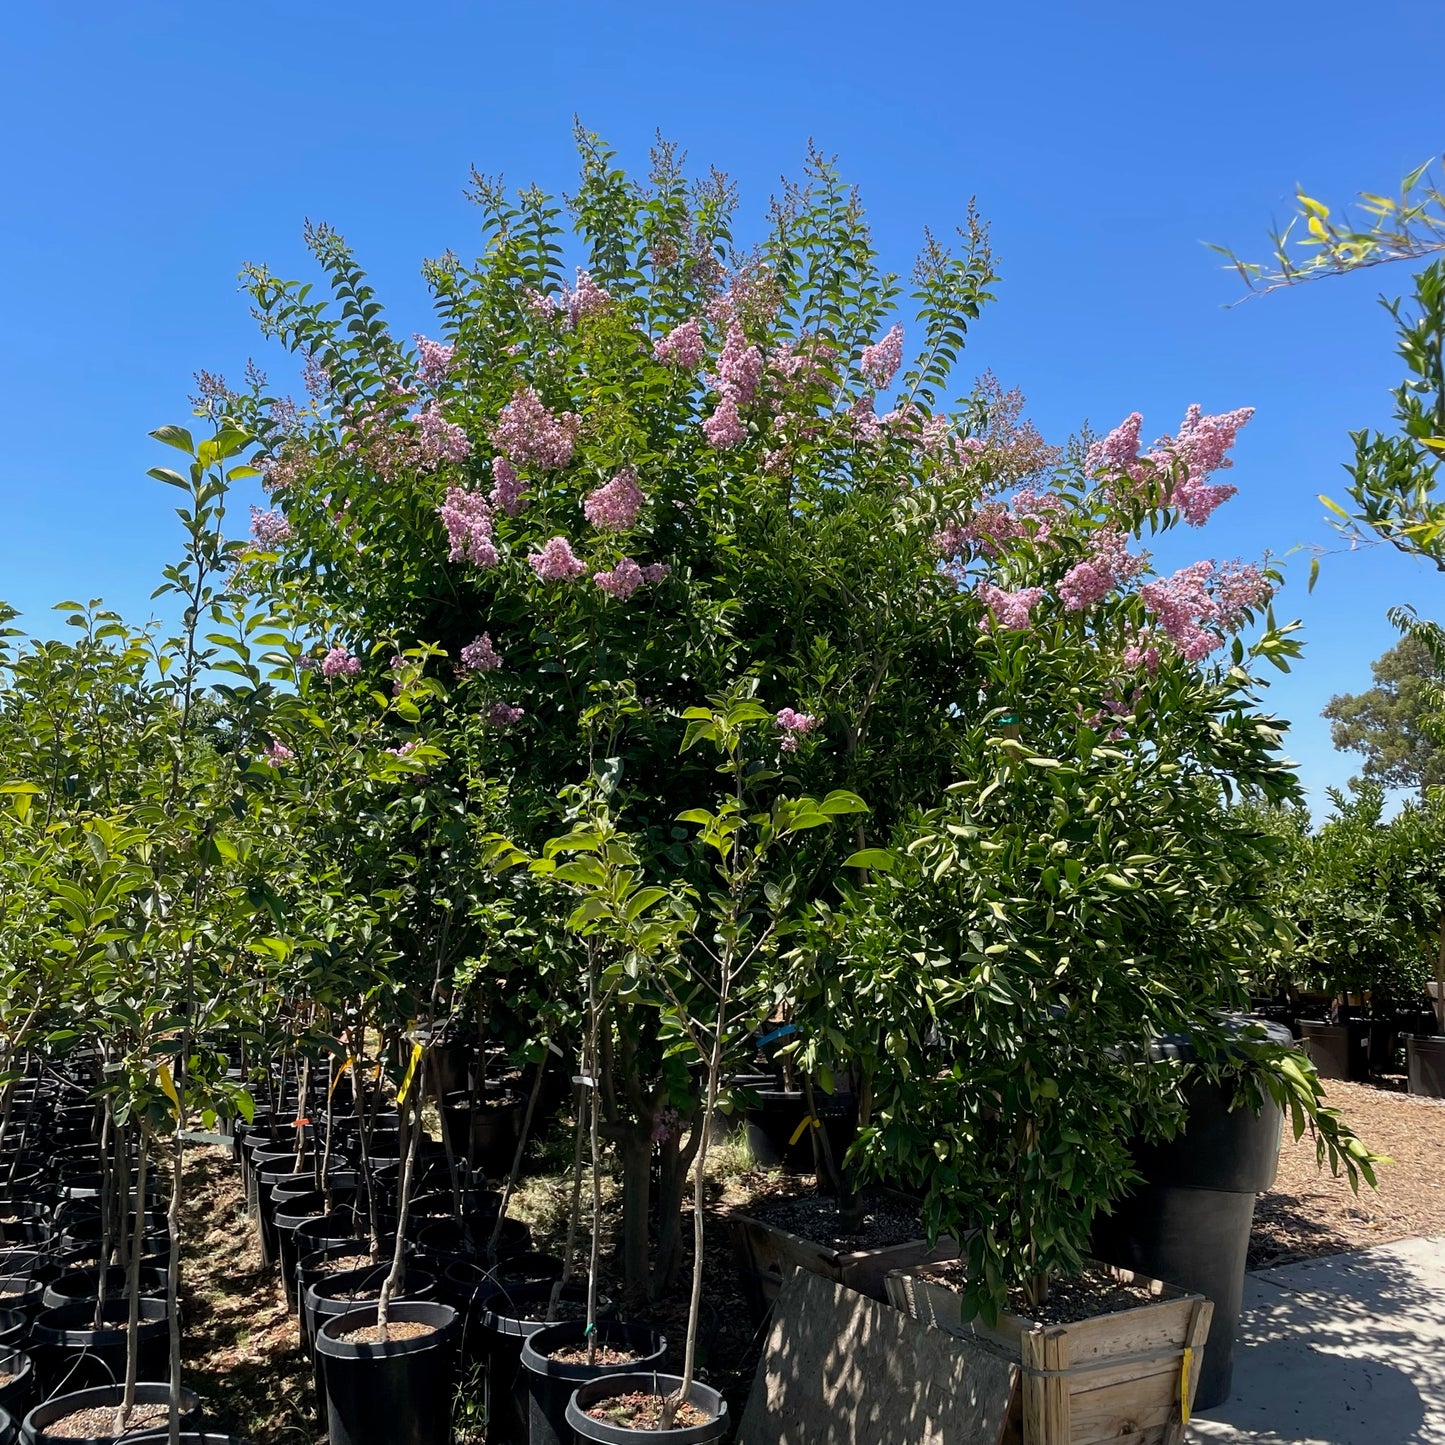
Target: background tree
x=1392 y=724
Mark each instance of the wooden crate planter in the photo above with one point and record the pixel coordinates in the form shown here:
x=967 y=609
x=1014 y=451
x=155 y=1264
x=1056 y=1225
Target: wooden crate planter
x=766 y=1253
x=1119 y=1378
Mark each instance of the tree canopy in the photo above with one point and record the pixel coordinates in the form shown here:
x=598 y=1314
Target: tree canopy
x=1393 y=724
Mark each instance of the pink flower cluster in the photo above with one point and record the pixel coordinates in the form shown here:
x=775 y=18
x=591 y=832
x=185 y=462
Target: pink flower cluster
x=586 y=299
x=539 y=304
x=529 y=434
x=278 y=753
x=557 y=562
x=439 y=440
x=338 y=662
x=1010 y=610
x=504 y=714
x=509 y=491
x=739 y=369
x=405 y=750
x=1240 y=588
x=794 y=725
x=270 y=529
x=434 y=361
x=1108 y=564
x=1184 y=609
x=282 y=471
x=479 y=656
x=682 y=347
x=1200 y=448
x=468 y=520
x=626 y=577
x=614 y=506
x=879 y=363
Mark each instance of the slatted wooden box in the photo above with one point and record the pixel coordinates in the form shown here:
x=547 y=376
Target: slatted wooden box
x=1126 y=1378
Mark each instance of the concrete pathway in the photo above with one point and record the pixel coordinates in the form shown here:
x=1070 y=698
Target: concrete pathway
x=1348 y=1350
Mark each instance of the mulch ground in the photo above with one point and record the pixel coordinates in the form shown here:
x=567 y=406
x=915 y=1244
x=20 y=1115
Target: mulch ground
x=1310 y=1212
x=242 y=1345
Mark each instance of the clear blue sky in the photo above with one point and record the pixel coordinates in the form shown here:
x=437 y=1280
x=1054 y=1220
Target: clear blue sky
x=153 y=148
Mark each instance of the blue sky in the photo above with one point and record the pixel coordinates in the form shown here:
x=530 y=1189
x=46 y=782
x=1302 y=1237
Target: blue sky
x=154 y=148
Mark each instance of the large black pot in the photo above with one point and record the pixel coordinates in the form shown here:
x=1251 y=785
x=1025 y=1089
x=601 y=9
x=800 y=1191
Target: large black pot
x=584 y=1427
x=551 y=1384
x=18 y=1393
x=779 y=1132
x=80 y=1285
x=291 y=1212
x=1188 y=1223
x=188 y=1437
x=352 y=1289
x=1425 y=1064
x=395 y=1392
x=34 y=1431
x=1338 y=1051
x=510 y=1315
x=8 y=1427
x=14 y=1328
x=71 y=1353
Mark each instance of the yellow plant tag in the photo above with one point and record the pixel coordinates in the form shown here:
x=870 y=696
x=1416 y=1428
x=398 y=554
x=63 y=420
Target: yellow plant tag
x=803 y=1128
x=168 y=1086
x=337 y=1077
x=410 y=1074
x=1184 y=1384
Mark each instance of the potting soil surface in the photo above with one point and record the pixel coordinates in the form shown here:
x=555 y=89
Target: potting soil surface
x=815 y=1216
x=345 y=1262
x=99 y=1421
x=642 y=1412
x=606 y=1355
x=1309 y=1212
x=396 y=1330
x=1070 y=1300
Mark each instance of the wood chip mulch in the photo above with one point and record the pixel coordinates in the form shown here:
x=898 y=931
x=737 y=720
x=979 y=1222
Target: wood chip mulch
x=1308 y=1212
x=241 y=1345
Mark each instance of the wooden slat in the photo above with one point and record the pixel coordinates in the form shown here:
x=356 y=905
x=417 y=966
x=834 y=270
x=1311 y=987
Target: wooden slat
x=1198 y=1334
x=1031 y=1348
x=1057 y=1411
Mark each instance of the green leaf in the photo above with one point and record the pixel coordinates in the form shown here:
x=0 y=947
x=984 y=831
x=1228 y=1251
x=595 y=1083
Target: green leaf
x=176 y=436
x=881 y=860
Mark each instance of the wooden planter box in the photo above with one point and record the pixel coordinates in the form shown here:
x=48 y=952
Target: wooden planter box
x=1119 y=1377
x=766 y=1253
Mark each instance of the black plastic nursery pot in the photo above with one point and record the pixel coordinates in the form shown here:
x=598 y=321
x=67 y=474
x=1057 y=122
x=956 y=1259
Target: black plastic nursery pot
x=8 y=1427
x=81 y=1285
x=349 y=1290
x=584 y=1427
x=14 y=1327
x=19 y=1390
x=551 y=1383
x=188 y=1437
x=1338 y=1051
x=510 y=1316
x=1425 y=1065
x=393 y=1392
x=292 y=1212
x=35 y=1430
x=20 y=1292
x=1188 y=1223
x=72 y=1353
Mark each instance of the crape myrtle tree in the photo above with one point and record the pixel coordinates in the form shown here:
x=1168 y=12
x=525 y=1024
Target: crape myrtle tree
x=1082 y=887
x=607 y=491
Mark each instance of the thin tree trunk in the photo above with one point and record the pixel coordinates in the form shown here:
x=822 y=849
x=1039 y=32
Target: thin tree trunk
x=396 y=1276
x=132 y=1290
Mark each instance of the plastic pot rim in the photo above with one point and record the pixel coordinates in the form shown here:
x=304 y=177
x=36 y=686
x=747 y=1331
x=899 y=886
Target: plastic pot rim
x=652 y=1383
x=402 y=1312
x=538 y=1362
